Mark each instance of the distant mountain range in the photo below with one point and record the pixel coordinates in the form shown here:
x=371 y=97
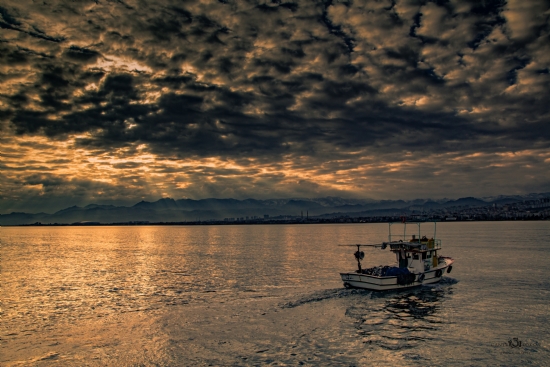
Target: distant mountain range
x=170 y=210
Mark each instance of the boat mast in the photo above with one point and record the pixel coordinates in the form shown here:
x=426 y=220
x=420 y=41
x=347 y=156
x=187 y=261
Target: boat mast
x=358 y=257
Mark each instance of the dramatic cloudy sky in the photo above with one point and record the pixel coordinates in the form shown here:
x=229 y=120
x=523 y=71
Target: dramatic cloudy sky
x=116 y=101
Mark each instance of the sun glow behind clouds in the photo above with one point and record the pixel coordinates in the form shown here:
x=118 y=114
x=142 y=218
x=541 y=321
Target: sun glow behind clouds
x=116 y=63
x=42 y=167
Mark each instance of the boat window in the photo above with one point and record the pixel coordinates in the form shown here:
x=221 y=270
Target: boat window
x=429 y=255
x=423 y=256
x=415 y=257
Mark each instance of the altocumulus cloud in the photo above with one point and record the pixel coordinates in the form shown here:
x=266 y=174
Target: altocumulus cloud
x=118 y=101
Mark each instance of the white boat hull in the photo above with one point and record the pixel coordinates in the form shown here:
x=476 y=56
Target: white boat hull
x=376 y=283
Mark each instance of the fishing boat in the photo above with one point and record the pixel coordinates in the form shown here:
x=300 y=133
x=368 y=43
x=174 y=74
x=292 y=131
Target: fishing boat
x=418 y=262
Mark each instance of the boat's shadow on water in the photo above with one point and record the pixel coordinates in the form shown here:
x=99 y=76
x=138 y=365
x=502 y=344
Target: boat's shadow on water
x=401 y=320
x=445 y=285
x=391 y=320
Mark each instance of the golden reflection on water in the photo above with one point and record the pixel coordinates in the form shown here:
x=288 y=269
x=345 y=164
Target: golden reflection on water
x=55 y=275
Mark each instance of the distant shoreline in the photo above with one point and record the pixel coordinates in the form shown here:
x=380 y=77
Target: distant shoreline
x=288 y=211
x=270 y=222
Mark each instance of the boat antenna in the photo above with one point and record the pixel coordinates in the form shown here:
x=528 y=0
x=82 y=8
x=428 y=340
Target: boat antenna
x=359 y=255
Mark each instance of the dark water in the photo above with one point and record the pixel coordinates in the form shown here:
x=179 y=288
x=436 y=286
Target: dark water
x=267 y=295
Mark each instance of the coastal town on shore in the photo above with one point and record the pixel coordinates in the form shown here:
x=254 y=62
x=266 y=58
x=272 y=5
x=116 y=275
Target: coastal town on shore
x=527 y=210
x=538 y=209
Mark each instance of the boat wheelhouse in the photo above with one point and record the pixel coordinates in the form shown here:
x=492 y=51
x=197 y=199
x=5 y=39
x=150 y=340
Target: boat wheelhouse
x=418 y=261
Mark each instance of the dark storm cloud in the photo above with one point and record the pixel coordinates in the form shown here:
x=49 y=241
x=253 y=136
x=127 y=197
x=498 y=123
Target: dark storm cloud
x=8 y=21
x=277 y=81
x=81 y=54
x=204 y=117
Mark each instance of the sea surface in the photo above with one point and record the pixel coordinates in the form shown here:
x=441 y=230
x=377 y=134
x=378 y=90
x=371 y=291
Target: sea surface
x=239 y=295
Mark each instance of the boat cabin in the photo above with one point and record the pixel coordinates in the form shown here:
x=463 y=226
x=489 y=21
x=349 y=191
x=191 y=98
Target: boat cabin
x=418 y=253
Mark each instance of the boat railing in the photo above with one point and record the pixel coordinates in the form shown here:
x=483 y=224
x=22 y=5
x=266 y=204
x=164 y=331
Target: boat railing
x=416 y=236
x=415 y=245
x=397 y=237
